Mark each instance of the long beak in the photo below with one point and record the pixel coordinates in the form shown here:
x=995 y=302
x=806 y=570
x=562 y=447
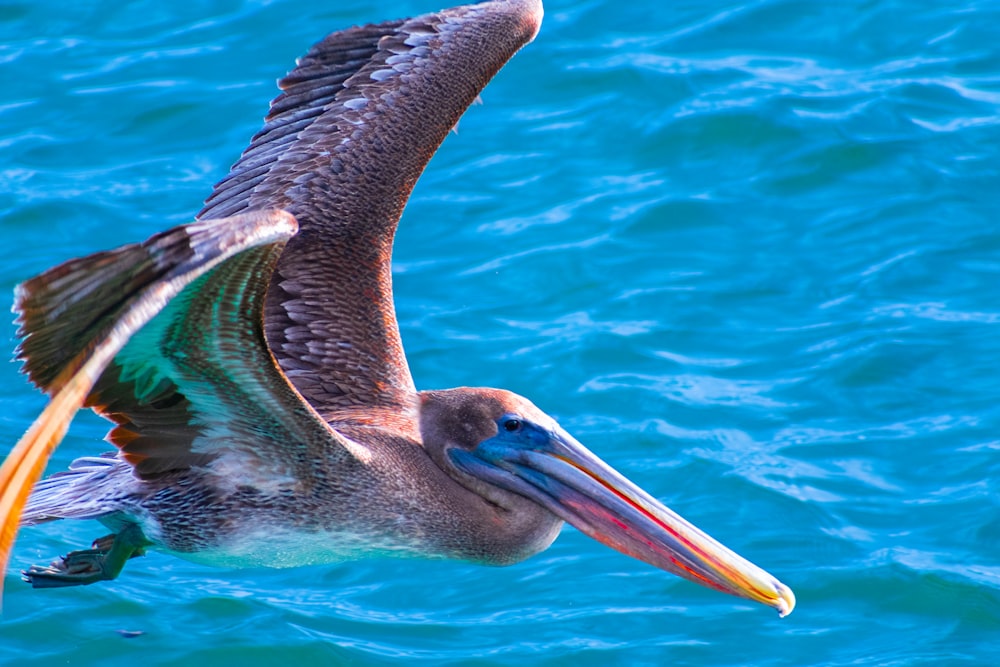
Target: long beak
x=560 y=474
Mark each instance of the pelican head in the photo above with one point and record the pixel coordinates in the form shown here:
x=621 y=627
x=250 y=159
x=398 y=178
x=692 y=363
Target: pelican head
x=503 y=448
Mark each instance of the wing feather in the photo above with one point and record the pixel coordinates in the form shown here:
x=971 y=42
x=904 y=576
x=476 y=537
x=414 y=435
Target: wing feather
x=341 y=149
x=165 y=338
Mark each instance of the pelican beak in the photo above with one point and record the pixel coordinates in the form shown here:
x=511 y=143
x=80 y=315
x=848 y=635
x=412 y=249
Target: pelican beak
x=550 y=467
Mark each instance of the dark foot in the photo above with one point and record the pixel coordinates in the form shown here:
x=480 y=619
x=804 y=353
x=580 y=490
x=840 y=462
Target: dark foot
x=101 y=563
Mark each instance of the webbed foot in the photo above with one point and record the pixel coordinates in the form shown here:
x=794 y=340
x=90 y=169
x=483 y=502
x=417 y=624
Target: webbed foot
x=103 y=562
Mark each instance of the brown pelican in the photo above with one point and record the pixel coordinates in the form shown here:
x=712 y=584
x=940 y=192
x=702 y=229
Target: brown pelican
x=251 y=361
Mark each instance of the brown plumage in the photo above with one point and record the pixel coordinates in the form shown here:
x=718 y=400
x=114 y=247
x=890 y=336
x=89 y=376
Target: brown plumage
x=342 y=148
x=264 y=412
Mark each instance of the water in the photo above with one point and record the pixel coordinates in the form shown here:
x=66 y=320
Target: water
x=747 y=252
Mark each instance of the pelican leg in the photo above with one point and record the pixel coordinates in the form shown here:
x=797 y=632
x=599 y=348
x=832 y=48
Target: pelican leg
x=103 y=562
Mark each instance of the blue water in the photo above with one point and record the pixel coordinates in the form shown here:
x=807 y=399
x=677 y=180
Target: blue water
x=748 y=252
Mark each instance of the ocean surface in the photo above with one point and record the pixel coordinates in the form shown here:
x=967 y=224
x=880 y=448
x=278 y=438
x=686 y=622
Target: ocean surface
x=748 y=252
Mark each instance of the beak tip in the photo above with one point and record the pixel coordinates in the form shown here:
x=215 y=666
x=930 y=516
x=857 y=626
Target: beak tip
x=785 y=602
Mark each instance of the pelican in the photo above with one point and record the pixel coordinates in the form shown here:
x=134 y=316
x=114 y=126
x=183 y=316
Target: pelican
x=263 y=410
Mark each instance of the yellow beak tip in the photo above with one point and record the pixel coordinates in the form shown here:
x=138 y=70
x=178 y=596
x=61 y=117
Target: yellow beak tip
x=786 y=600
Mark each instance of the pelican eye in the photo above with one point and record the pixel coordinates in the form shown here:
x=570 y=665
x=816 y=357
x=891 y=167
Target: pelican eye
x=512 y=425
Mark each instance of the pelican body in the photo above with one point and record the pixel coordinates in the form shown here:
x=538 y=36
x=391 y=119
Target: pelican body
x=252 y=365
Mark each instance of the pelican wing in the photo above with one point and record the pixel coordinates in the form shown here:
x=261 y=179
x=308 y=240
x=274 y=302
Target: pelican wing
x=197 y=378
x=166 y=339
x=341 y=149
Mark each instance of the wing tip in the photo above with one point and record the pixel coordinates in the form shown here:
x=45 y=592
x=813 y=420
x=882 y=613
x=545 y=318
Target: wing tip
x=526 y=14
x=532 y=15
x=529 y=14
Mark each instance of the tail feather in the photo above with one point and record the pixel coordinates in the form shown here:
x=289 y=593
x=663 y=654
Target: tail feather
x=86 y=491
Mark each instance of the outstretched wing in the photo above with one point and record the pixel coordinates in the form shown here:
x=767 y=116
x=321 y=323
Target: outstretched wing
x=166 y=339
x=341 y=149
